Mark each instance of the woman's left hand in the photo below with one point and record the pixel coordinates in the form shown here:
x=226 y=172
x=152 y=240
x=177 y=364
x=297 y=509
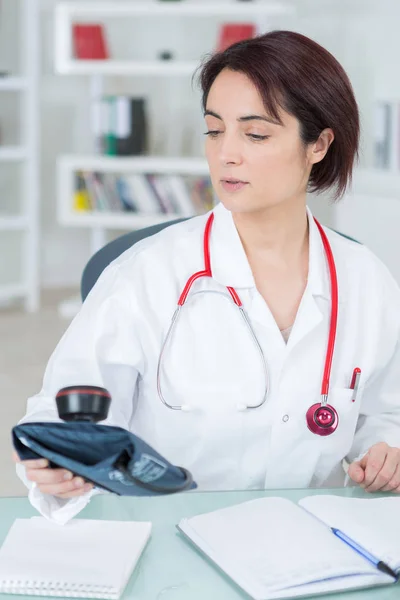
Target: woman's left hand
x=378 y=470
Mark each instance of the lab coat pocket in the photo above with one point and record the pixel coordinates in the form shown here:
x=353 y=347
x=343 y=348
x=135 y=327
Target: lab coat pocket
x=341 y=400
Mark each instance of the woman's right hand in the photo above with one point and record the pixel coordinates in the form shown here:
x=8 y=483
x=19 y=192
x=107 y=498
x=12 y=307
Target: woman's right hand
x=56 y=482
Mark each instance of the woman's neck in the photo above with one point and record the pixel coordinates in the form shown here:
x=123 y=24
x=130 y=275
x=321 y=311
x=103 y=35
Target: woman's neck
x=277 y=233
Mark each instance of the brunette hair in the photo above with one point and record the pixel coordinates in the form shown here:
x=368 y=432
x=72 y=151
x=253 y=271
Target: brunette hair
x=292 y=72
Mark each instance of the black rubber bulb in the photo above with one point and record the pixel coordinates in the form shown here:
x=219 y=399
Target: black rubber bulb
x=83 y=403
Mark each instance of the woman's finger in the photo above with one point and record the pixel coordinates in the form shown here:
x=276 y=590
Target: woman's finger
x=38 y=463
x=86 y=488
x=386 y=473
x=55 y=489
x=375 y=459
x=48 y=476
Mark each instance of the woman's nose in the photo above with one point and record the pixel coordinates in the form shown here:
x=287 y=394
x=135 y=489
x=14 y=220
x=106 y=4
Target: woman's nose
x=230 y=151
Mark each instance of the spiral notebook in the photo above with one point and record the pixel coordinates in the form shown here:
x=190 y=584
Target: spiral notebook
x=273 y=548
x=83 y=559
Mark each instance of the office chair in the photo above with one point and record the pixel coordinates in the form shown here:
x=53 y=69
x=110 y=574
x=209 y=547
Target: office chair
x=103 y=257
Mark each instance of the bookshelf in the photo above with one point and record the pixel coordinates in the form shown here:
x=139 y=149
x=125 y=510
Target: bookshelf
x=66 y=13
x=68 y=166
x=26 y=222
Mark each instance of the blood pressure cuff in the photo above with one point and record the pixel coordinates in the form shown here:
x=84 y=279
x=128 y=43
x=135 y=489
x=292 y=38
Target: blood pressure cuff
x=111 y=458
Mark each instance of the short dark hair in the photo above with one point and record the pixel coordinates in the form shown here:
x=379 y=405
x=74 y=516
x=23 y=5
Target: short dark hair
x=295 y=73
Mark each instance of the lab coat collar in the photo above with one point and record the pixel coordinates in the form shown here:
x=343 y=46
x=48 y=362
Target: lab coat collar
x=230 y=266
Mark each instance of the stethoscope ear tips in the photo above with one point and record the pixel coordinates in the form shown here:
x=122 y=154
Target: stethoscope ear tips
x=241 y=407
x=186 y=408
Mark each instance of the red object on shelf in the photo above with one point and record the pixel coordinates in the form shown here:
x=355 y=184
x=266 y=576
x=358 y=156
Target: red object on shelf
x=230 y=33
x=89 y=42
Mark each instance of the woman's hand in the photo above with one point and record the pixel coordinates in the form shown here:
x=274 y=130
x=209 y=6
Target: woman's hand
x=378 y=470
x=56 y=482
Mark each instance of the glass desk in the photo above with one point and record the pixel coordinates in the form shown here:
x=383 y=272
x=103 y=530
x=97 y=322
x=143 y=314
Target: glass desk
x=170 y=568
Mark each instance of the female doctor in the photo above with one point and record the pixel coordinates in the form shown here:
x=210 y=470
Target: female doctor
x=249 y=383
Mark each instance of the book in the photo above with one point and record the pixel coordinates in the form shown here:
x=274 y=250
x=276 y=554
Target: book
x=181 y=194
x=89 y=41
x=273 y=548
x=142 y=194
x=85 y=558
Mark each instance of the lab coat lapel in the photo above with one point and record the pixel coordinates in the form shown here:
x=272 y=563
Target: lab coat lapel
x=316 y=300
x=230 y=267
x=229 y=263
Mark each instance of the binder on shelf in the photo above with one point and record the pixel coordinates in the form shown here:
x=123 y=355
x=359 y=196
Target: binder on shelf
x=89 y=41
x=130 y=126
x=230 y=33
x=108 y=120
x=387 y=135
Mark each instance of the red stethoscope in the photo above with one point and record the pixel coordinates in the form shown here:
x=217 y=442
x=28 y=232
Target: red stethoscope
x=322 y=419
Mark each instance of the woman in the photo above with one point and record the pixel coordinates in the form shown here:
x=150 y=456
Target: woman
x=281 y=118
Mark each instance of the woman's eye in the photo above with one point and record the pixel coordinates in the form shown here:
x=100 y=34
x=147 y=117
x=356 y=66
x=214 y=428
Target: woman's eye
x=212 y=133
x=253 y=136
x=258 y=137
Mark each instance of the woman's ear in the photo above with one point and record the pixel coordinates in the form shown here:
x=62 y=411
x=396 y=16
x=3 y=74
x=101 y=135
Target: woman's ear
x=317 y=150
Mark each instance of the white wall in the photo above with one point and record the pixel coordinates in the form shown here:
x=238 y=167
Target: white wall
x=368 y=48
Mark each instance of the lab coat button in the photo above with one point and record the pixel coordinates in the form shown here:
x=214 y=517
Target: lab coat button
x=285 y=418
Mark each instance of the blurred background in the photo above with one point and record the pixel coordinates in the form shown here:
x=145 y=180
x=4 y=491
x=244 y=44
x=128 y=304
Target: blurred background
x=101 y=133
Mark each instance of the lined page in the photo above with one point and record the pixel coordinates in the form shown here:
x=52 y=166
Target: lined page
x=372 y=522
x=271 y=544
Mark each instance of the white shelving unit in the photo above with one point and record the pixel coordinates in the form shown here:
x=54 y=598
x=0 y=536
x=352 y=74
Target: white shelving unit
x=67 y=167
x=13 y=84
x=27 y=221
x=66 y=13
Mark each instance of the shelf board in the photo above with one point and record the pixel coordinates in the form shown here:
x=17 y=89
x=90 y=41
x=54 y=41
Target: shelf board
x=111 y=220
x=12 y=84
x=11 y=291
x=67 y=13
x=8 y=153
x=12 y=223
x=143 y=164
x=151 y=68
x=155 y=8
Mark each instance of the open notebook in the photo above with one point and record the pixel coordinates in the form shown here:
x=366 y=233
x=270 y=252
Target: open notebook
x=83 y=559
x=274 y=548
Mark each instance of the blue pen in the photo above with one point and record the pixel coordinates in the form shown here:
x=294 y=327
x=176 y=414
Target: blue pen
x=379 y=564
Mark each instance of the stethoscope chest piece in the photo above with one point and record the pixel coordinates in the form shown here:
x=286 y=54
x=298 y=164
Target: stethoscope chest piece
x=322 y=419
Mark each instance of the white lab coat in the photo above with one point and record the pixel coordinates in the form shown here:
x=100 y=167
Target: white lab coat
x=212 y=365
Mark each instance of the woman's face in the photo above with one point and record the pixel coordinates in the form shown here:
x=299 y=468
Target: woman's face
x=245 y=144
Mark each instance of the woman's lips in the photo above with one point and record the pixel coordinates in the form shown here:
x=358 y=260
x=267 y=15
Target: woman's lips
x=233 y=186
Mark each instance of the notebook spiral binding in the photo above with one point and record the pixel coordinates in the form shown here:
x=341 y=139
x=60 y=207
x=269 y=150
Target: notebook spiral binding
x=56 y=588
